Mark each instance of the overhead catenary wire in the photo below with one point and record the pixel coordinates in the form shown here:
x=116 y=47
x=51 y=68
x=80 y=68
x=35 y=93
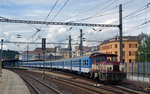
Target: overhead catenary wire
x=106 y=14
x=38 y=30
x=129 y=30
x=95 y=13
x=94 y=16
x=50 y=12
x=135 y=12
x=85 y=11
x=60 y=10
x=140 y=27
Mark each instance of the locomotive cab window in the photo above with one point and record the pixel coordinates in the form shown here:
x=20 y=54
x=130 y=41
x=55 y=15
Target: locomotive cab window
x=112 y=59
x=100 y=59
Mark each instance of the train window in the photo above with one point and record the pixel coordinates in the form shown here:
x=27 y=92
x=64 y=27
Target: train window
x=87 y=63
x=100 y=59
x=83 y=62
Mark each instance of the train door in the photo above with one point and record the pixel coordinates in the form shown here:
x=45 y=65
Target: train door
x=51 y=64
x=63 y=64
x=35 y=65
x=46 y=64
x=80 y=66
x=70 y=65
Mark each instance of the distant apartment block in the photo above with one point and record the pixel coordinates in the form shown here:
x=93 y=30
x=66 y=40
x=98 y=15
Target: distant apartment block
x=86 y=50
x=130 y=46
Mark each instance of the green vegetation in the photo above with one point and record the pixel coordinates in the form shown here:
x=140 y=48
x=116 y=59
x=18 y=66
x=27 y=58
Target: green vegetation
x=143 y=53
x=9 y=55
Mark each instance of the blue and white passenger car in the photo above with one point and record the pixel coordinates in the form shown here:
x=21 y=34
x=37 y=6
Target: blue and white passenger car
x=97 y=65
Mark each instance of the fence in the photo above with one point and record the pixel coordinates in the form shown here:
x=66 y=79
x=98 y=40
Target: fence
x=0 y=69
x=138 y=71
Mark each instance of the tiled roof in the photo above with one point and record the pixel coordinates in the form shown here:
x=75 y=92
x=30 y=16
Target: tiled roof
x=39 y=51
x=124 y=38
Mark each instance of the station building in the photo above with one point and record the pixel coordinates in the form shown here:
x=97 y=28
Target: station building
x=129 y=45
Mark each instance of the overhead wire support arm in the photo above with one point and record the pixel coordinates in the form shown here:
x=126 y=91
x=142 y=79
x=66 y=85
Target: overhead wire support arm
x=57 y=23
x=37 y=43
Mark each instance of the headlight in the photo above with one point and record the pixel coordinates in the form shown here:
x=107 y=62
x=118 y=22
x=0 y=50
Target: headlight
x=110 y=68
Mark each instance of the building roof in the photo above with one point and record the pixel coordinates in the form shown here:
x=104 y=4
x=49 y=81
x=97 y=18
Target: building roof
x=84 y=48
x=124 y=38
x=39 y=51
x=46 y=50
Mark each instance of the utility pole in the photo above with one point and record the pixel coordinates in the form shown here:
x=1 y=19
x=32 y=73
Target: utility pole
x=43 y=49
x=1 y=57
x=69 y=47
x=81 y=43
x=120 y=30
x=27 y=54
x=55 y=52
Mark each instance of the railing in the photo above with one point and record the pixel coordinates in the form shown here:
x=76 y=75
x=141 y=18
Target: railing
x=139 y=71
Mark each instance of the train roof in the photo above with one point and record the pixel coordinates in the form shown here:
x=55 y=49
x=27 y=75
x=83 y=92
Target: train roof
x=88 y=56
x=84 y=56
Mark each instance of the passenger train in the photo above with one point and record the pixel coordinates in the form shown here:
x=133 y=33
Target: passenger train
x=97 y=66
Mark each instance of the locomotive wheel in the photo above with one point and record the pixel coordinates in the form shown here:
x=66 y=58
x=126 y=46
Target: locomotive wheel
x=95 y=75
x=100 y=76
x=91 y=74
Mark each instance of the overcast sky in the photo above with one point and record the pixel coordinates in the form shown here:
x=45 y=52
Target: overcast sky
x=135 y=20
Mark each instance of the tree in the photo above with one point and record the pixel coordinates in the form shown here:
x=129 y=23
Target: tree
x=144 y=48
x=9 y=54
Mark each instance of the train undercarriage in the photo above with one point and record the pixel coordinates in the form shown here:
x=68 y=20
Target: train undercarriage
x=109 y=77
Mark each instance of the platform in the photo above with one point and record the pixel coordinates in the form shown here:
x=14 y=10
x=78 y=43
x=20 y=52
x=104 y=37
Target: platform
x=11 y=83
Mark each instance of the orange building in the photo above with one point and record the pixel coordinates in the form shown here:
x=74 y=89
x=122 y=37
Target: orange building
x=129 y=45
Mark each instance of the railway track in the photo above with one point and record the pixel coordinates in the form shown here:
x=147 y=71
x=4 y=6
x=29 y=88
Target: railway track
x=90 y=88
x=38 y=86
x=125 y=88
x=113 y=88
x=31 y=87
x=99 y=89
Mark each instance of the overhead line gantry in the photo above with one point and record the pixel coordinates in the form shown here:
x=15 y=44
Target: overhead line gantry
x=74 y=24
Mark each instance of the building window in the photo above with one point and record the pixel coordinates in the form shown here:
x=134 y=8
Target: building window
x=123 y=60
x=135 y=45
x=87 y=63
x=116 y=52
x=130 y=60
x=123 y=46
x=123 y=53
x=115 y=45
x=129 y=45
x=130 y=53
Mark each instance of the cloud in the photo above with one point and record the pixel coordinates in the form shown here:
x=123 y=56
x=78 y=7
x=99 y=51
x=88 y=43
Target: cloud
x=56 y=33
x=38 y=10
x=5 y=47
x=6 y=34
